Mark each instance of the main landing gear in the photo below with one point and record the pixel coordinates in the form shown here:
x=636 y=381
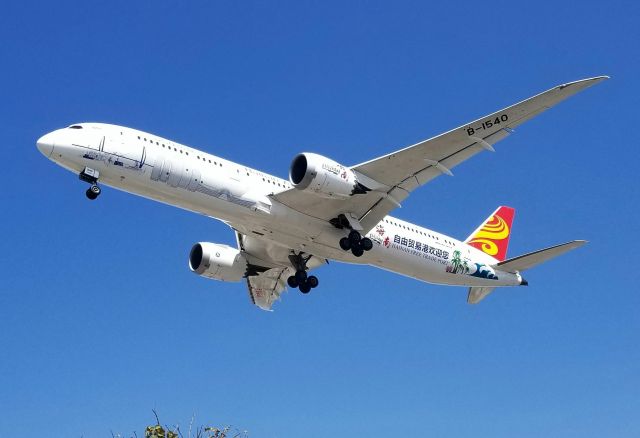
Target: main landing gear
x=91 y=176
x=356 y=243
x=300 y=279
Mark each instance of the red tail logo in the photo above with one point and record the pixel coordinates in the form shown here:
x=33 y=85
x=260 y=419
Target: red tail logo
x=492 y=237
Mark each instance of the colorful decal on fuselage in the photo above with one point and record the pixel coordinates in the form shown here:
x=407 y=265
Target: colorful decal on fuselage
x=377 y=235
x=458 y=265
x=484 y=271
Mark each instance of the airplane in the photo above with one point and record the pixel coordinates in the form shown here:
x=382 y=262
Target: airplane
x=325 y=211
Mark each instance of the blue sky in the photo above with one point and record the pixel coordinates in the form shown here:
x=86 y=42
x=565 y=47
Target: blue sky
x=102 y=320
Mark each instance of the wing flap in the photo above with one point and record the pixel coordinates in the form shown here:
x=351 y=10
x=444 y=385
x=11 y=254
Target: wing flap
x=267 y=287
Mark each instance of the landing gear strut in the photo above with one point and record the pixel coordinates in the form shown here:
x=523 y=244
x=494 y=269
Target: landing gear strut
x=300 y=279
x=91 y=176
x=356 y=243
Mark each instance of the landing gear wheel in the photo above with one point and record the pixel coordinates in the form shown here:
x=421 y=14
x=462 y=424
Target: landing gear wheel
x=292 y=282
x=301 y=277
x=313 y=281
x=354 y=236
x=345 y=243
x=357 y=251
x=93 y=192
x=366 y=244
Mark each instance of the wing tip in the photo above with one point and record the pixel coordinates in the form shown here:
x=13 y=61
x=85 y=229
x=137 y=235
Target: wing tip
x=586 y=82
x=572 y=243
x=598 y=78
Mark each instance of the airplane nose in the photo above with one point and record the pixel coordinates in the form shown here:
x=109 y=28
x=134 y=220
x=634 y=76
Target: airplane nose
x=45 y=144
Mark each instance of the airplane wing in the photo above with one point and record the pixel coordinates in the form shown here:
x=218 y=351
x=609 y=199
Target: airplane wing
x=266 y=287
x=268 y=270
x=403 y=171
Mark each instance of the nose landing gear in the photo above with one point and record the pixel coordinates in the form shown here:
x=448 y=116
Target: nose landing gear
x=356 y=243
x=91 y=176
x=93 y=192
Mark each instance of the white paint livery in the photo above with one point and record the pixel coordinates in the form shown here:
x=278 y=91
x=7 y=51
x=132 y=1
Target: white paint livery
x=326 y=211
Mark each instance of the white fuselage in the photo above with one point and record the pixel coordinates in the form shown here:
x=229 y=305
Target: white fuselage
x=160 y=169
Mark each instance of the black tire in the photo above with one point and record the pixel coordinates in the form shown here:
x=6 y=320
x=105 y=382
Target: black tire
x=305 y=288
x=292 y=282
x=366 y=244
x=357 y=251
x=95 y=189
x=354 y=236
x=345 y=244
x=90 y=194
x=313 y=281
x=301 y=276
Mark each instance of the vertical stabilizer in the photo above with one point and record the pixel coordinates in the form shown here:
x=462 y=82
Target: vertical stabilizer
x=492 y=237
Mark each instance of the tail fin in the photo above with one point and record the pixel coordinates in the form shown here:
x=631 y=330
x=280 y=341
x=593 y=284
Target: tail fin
x=492 y=237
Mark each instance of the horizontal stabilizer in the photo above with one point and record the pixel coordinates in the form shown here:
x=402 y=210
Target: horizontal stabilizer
x=477 y=294
x=532 y=259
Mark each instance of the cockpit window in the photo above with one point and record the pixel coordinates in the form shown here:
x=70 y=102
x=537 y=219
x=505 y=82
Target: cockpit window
x=75 y=127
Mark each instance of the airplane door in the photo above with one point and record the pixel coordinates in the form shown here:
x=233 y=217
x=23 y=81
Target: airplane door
x=129 y=154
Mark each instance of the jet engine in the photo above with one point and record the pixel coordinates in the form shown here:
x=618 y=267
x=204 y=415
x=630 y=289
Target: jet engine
x=324 y=177
x=216 y=261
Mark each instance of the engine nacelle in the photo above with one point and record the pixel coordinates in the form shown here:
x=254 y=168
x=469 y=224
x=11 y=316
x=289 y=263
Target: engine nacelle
x=324 y=177
x=220 y=262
